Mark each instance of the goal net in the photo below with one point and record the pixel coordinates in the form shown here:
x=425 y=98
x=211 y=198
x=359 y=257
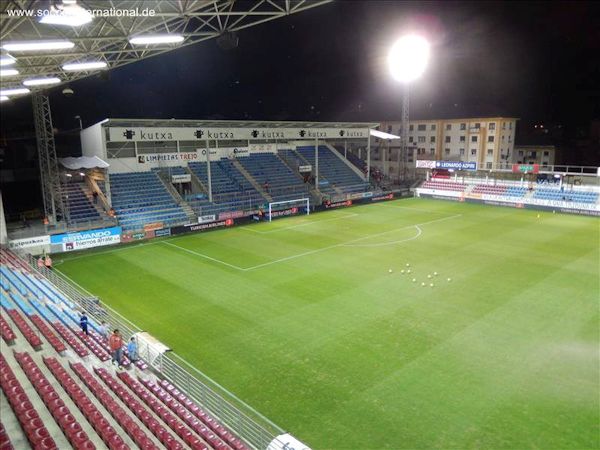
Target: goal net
x=288 y=208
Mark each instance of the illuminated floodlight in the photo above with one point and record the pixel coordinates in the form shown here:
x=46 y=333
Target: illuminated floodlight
x=41 y=81
x=14 y=91
x=8 y=72
x=71 y=15
x=90 y=65
x=156 y=39
x=7 y=60
x=32 y=46
x=408 y=58
x=4 y=98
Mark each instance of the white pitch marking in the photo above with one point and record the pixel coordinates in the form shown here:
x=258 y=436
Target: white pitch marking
x=128 y=247
x=287 y=258
x=419 y=232
x=251 y=228
x=203 y=256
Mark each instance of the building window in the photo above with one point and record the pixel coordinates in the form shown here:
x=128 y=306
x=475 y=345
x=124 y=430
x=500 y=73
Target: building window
x=462 y=139
x=448 y=126
x=410 y=139
x=488 y=165
x=432 y=139
x=473 y=151
x=411 y=128
x=490 y=151
x=533 y=155
x=477 y=125
x=520 y=152
x=492 y=126
x=433 y=127
x=473 y=138
x=510 y=125
x=432 y=151
x=447 y=151
x=448 y=139
x=546 y=153
x=463 y=126
x=504 y=125
x=490 y=138
x=422 y=127
x=389 y=128
x=421 y=139
x=502 y=137
x=461 y=151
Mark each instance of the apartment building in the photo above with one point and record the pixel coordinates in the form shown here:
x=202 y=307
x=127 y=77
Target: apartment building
x=485 y=140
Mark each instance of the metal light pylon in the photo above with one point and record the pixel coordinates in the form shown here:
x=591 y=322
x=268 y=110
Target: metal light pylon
x=403 y=156
x=49 y=174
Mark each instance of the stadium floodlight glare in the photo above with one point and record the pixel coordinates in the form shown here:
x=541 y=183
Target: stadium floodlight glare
x=82 y=66
x=14 y=91
x=8 y=72
x=71 y=15
x=408 y=58
x=32 y=46
x=156 y=39
x=4 y=98
x=7 y=60
x=41 y=81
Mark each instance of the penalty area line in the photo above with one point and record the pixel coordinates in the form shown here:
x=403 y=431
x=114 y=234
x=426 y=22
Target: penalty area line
x=251 y=228
x=202 y=255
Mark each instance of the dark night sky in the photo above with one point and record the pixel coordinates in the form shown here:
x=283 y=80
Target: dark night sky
x=537 y=61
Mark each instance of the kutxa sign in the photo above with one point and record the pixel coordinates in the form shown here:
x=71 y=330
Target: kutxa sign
x=159 y=134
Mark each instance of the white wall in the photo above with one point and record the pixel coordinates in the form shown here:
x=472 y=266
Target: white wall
x=92 y=142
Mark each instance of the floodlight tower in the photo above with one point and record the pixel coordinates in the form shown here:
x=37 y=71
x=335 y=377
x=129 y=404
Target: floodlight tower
x=407 y=61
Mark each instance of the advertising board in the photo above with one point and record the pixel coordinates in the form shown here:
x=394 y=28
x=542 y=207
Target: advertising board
x=87 y=239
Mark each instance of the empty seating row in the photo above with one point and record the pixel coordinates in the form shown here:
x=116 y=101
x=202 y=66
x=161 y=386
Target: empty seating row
x=30 y=335
x=61 y=413
x=119 y=414
x=29 y=419
x=7 y=333
x=141 y=412
x=4 y=439
x=107 y=433
x=175 y=424
x=444 y=185
x=490 y=189
x=173 y=398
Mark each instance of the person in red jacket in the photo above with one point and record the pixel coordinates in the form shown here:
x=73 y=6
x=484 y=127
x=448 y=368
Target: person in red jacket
x=115 y=342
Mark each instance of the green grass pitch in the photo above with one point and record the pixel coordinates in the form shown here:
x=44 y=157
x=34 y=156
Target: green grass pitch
x=302 y=319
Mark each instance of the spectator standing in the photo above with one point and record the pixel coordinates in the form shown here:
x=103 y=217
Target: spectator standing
x=48 y=262
x=40 y=263
x=104 y=330
x=95 y=197
x=83 y=323
x=115 y=342
x=132 y=350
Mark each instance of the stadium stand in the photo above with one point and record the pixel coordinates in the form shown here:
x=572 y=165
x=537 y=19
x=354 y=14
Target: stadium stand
x=568 y=195
x=231 y=190
x=444 y=185
x=140 y=197
x=358 y=162
x=55 y=409
x=77 y=197
x=283 y=184
x=335 y=175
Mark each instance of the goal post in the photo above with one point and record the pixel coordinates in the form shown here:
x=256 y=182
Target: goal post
x=286 y=207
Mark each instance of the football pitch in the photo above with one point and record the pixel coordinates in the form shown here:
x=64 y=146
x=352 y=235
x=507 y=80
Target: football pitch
x=302 y=319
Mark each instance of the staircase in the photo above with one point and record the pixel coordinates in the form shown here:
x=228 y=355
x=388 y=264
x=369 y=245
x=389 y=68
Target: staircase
x=316 y=196
x=98 y=206
x=187 y=209
x=251 y=180
x=197 y=184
